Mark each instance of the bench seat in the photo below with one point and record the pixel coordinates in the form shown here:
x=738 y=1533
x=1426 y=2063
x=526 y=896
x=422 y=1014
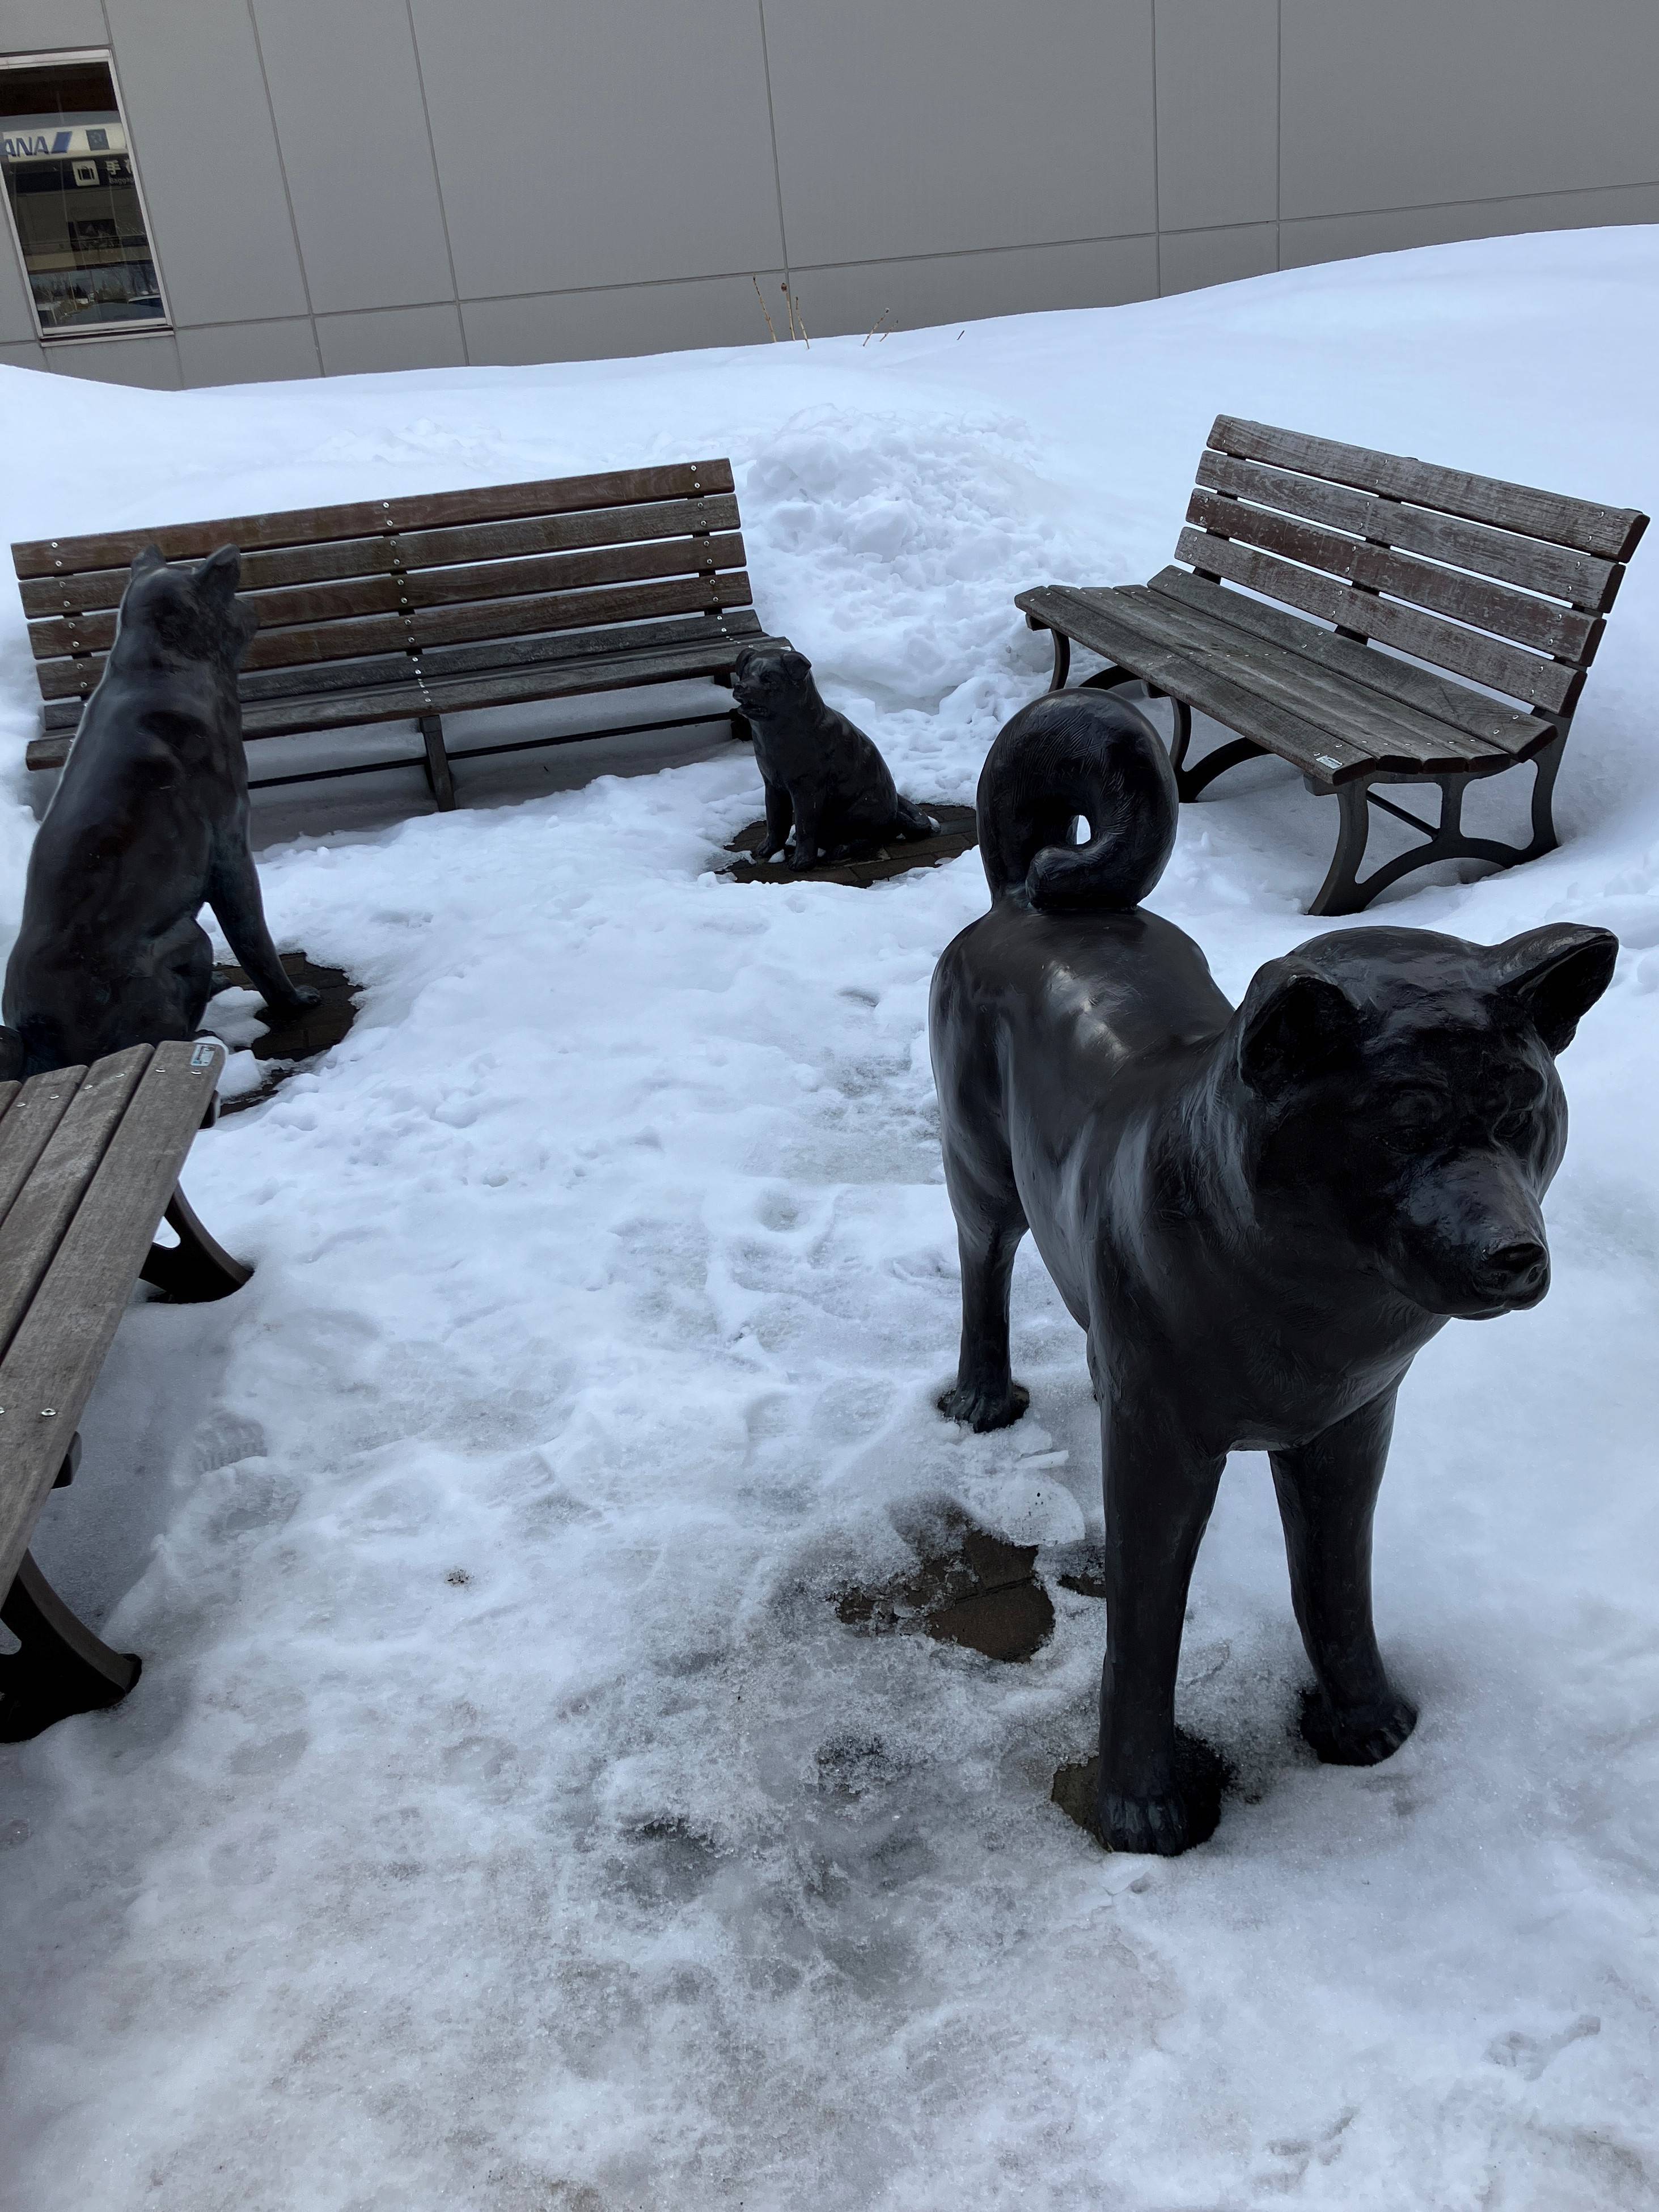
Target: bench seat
x=90 y=1165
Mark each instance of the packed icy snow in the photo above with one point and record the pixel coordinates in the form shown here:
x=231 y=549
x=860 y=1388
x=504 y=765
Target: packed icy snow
x=505 y=1817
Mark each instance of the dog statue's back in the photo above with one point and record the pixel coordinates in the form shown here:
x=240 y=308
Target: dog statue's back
x=148 y=822
x=1257 y=1216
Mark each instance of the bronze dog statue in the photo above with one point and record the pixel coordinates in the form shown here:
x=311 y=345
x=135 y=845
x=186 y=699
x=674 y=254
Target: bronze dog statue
x=148 y=822
x=1258 y=1216
x=821 y=774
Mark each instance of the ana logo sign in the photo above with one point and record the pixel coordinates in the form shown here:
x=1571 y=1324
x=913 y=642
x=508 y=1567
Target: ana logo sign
x=35 y=143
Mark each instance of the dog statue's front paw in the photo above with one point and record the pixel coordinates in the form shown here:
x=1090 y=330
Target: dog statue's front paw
x=296 y=1000
x=1364 y=1735
x=1155 y=1826
x=802 y=857
x=984 y=1408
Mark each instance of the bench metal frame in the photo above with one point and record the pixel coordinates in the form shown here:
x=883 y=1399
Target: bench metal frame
x=1369 y=618
x=409 y=609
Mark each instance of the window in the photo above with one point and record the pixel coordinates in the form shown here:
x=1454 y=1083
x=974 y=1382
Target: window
x=73 y=194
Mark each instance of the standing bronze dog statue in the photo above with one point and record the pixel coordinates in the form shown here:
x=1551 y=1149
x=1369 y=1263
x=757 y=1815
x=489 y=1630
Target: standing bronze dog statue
x=148 y=824
x=1259 y=1215
x=822 y=774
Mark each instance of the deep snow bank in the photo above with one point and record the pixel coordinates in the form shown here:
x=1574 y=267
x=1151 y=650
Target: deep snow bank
x=504 y=1818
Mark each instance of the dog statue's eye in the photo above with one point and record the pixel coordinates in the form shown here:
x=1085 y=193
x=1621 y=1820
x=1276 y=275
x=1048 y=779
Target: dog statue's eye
x=1513 y=1126
x=1415 y=1109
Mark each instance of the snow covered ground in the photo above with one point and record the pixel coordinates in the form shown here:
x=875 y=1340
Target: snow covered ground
x=505 y=1819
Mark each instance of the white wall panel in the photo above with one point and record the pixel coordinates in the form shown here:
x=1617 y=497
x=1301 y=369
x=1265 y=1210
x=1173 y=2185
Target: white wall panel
x=939 y=127
x=1427 y=101
x=206 y=152
x=1218 y=112
x=958 y=286
x=634 y=318
x=352 y=127
x=599 y=145
x=249 y=353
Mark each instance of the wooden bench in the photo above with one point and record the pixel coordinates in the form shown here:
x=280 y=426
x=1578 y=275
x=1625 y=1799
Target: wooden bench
x=407 y=610
x=89 y=1162
x=1506 y=587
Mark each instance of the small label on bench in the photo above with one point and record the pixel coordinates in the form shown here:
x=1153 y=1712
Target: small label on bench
x=1325 y=761
x=202 y=1055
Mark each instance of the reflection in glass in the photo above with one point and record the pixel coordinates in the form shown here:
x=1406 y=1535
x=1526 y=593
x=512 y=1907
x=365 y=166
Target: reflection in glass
x=75 y=199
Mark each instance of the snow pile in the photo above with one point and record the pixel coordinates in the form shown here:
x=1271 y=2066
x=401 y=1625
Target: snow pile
x=505 y=1818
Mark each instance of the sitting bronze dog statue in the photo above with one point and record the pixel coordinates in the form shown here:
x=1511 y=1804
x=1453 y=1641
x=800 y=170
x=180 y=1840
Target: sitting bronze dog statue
x=1259 y=1215
x=821 y=774
x=148 y=822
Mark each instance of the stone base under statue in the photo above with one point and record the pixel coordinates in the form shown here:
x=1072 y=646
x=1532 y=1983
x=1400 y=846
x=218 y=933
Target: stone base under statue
x=289 y=1042
x=958 y=832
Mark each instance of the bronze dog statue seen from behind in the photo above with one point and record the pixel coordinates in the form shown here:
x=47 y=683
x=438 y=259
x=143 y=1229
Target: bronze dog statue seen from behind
x=1258 y=1215
x=148 y=824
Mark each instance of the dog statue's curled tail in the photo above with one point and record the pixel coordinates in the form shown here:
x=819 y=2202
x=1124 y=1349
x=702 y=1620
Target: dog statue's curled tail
x=1072 y=755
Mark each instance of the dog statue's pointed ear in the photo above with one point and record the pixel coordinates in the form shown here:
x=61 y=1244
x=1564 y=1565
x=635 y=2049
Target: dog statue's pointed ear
x=1556 y=975
x=147 y=558
x=220 y=574
x=1295 y=1025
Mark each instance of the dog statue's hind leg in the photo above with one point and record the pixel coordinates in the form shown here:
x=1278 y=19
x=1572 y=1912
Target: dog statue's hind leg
x=1159 y=1490
x=1326 y=1496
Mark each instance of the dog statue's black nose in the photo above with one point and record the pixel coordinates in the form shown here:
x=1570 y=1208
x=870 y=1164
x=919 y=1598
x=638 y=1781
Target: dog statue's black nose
x=1516 y=1272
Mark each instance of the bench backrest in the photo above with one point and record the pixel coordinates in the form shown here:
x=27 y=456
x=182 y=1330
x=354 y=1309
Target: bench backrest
x=1500 y=584
x=458 y=582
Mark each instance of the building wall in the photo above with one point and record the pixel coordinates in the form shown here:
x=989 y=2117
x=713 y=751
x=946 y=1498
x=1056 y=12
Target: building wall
x=338 y=185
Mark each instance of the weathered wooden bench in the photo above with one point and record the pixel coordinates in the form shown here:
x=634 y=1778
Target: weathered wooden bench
x=407 y=609
x=1506 y=587
x=89 y=1162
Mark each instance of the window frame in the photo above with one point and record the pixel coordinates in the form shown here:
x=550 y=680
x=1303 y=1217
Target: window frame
x=163 y=325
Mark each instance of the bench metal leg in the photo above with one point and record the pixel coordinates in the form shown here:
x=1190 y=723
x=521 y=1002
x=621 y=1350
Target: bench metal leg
x=62 y=1668
x=440 y=781
x=742 y=731
x=1547 y=763
x=1339 y=893
x=1190 y=781
x=1342 y=891
x=1062 y=657
x=197 y=1268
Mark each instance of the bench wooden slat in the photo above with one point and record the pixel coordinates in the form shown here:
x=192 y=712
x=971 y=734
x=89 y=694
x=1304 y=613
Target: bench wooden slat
x=311 y=605
x=423 y=627
x=1612 y=533
x=41 y=1212
x=59 y=1345
x=264 y=690
x=1393 y=733
x=457 y=692
x=1554 y=570
x=366 y=518
x=1126 y=625
x=1486 y=660
x=1328 y=759
x=33 y=1112
x=428 y=549
x=1541 y=624
x=1512 y=731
